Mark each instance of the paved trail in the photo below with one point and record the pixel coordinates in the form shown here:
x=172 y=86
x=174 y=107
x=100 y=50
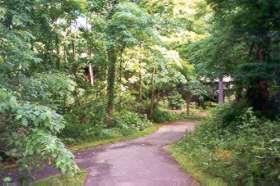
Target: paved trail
x=140 y=162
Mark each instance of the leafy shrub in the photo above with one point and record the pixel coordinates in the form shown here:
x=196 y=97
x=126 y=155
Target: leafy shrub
x=237 y=146
x=55 y=90
x=41 y=145
x=162 y=115
x=125 y=123
x=76 y=133
x=142 y=107
x=175 y=101
x=127 y=120
x=85 y=121
x=29 y=134
x=90 y=111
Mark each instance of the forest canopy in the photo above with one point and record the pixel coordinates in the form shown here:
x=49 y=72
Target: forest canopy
x=79 y=70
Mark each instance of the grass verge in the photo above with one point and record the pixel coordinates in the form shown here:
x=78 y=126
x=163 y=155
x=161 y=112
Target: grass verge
x=77 y=180
x=92 y=144
x=193 y=117
x=187 y=165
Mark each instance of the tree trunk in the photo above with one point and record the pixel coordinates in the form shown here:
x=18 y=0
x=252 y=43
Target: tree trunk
x=263 y=86
x=187 y=101
x=65 y=54
x=140 y=81
x=58 y=52
x=140 y=91
x=111 y=78
x=91 y=75
x=74 y=53
x=238 y=94
x=152 y=107
x=221 y=91
x=120 y=77
x=258 y=91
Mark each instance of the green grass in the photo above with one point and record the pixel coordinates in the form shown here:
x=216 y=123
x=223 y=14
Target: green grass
x=92 y=144
x=77 y=180
x=182 y=158
x=193 y=117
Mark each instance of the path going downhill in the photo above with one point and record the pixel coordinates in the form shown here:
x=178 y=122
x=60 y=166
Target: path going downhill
x=139 y=162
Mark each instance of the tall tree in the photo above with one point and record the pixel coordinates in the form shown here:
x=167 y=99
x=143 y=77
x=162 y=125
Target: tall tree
x=259 y=34
x=128 y=26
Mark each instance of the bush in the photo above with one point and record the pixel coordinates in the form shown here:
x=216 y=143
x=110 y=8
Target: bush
x=162 y=115
x=55 y=90
x=175 y=101
x=142 y=107
x=90 y=111
x=75 y=133
x=237 y=146
x=127 y=121
x=124 y=122
x=29 y=134
x=85 y=120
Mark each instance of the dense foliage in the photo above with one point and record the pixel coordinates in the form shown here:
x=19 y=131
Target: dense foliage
x=80 y=70
x=238 y=146
x=243 y=47
x=240 y=143
x=29 y=132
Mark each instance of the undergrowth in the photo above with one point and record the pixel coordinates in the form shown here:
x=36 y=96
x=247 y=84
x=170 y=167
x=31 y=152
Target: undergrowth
x=237 y=146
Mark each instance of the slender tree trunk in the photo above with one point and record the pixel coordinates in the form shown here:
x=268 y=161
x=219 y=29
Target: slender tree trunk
x=140 y=81
x=65 y=49
x=58 y=52
x=140 y=90
x=74 y=54
x=262 y=87
x=91 y=74
x=74 y=68
x=187 y=101
x=152 y=107
x=238 y=94
x=111 y=78
x=121 y=73
x=221 y=91
x=121 y=69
